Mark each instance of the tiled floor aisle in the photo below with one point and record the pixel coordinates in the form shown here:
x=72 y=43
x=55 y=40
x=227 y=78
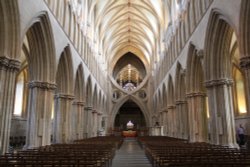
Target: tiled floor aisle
x=130 y=155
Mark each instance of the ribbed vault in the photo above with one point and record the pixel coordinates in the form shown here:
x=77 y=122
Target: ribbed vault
x=124 y=23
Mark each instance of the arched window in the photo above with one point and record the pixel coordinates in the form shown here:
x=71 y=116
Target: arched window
x=239 y=91
x=20 y=93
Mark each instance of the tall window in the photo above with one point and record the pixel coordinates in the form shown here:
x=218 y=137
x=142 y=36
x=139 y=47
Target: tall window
x=19 y=94
x=240 y=92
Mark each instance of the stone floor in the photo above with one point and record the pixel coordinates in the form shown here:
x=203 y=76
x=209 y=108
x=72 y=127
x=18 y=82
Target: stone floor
x=130 y=155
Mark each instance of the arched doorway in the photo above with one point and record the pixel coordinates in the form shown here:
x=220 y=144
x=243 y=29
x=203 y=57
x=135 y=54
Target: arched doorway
x=130 y=112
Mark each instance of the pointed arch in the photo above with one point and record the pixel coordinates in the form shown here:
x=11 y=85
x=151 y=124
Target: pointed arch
x=164 y=95
x=79 y=84
x=218 y=75
x=64 y=76
x=118 y=105
x=42 y=49
x=95 y=98
x=195 y=72
x=89 y=92
x=245 y=28
x=170 y=92
x=180 y=83
x=217 y=50
x=9 y=30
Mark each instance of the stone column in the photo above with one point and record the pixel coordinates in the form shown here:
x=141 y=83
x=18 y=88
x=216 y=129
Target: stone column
x=160 y=118
x=221 y=112
x=171 y=121
x=164 y=114
x=87 y=124
x=99 y=121
x=182 y=119
x=39 y=114
x=94 y=123
x=63 y=108
x=197 y=118
x=245 y=65
x=8 y=71
x=78 y=120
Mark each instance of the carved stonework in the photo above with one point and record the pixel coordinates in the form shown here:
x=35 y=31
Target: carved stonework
x=94 y=111
x=64 y=96
x=171 y=107
x=42 y=85
x=245 y=62
x=180 y=102
x=79 y=103
x=88 y=108
x=165 y=109
x=200 y=53
x=218 y=82
x=6 y=63
x=195 y=94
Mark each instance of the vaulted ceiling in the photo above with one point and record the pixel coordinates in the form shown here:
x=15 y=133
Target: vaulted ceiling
x=128 y=26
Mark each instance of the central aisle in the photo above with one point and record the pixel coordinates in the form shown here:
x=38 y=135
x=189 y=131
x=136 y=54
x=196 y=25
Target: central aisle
x=130 y=155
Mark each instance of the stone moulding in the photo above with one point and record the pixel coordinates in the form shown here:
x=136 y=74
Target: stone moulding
x=42 y=85
x=7 y=63
x=218 y=82
x=245 y=62
x=64 y=96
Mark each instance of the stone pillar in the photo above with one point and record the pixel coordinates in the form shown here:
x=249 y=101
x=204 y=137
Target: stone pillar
x=221 y=112
x=99 y=121
x=87 y=124
x=182 y=119
x=78 y=120
x=39 y=114
x=160 y=118
x=94 y=123
x=245 y=65
x=164 y=111
x=171 y=121
x=63 y=108
x=8 y=71
x=197 y=117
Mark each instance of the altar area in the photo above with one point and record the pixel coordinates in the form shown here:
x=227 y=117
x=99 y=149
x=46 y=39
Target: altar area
x=130 y=130
x=129 y=133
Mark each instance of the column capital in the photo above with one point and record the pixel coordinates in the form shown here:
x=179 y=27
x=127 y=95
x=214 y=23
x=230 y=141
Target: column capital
x=245 y=62
x=195 y=94
x=165 y=109
x=42 y=85
x=171 y=107
x=99 y=113
x=94 y=111
x=218 y=82
x=79 y=103
x=179 y=102
x=8 y=63
x=88 y=108
x=64 y=96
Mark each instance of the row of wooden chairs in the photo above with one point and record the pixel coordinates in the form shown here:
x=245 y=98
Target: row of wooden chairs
x=172 y=152
x=92 y=152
